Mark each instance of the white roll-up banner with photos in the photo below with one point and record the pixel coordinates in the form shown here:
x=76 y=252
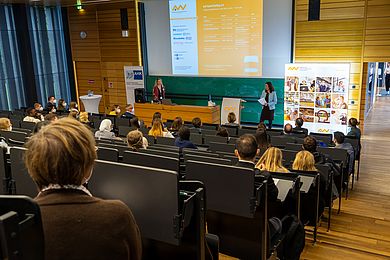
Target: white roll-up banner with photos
x=318 y=93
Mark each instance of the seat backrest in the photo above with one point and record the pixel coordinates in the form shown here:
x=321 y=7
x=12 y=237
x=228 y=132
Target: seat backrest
x=124 y=130
x=192 y=157
x=200 y=153
x=4 y=177
x=232 y=130
x=27 y=131
x=17 y=136
x=210 y=126
x=24 y=185
x=325 y=138
x=162 y=147
x=281 y=141
x=355 y=142
x=288 y=156
x=166 y=153
x=165 y=140
x=151 y=160
x=196 y=138
x=222 y=192
x=22 y=231
x=293 y=147
x=274 y=132
x=222 y=147
x=27 y=125
x=122 y=122
x=15 y=122
x=336 y=154
x=151 y=194
x=242 y=131
x=214 y=138
x=107 y=154
x=206 y=131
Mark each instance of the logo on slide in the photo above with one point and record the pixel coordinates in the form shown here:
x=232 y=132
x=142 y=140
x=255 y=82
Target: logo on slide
x=137 y=74
x=176 y=8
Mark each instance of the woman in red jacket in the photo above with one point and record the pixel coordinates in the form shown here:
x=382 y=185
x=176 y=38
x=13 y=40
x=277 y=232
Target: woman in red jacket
x=158 y=91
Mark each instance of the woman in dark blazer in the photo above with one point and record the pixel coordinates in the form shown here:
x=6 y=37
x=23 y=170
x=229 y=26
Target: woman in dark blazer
x=268 y=100
x=76 y=225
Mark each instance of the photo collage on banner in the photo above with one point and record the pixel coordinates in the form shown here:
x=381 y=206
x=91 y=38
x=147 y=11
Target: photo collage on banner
x=318 y=93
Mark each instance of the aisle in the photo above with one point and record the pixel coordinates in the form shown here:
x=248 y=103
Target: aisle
x=362 y=230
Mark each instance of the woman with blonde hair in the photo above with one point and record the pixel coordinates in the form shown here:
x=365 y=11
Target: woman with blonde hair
x=304 y=161
x=157 y=129
x=271 y=161
x=5 y=124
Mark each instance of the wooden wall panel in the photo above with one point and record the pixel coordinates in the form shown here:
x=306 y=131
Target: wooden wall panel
x=103 y=54
x=337 y=38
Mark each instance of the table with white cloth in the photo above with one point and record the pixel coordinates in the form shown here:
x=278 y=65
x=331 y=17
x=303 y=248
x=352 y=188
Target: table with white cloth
x=91 y=103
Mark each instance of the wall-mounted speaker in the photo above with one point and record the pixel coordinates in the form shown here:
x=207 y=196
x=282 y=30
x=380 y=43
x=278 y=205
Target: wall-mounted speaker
x=124 y=19
x=314 y=10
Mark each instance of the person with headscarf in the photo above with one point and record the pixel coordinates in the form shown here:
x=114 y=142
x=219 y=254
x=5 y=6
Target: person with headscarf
x=105 y=129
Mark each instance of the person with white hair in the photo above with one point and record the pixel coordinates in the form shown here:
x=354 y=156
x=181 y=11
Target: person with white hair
x=105 y=129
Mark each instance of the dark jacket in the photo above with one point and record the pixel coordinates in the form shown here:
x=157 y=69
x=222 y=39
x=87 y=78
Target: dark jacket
x=127 y=115
x=271 y=187
x=184 y=143
x=354 y=132
x=77 y=226
x=50 y=106
x=299 y=129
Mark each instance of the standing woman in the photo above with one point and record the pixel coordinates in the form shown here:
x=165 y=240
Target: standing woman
x=158 y=91
x=269 y=100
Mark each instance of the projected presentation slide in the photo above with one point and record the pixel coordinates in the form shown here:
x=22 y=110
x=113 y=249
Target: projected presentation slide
x=216 y=38
x=318 y=93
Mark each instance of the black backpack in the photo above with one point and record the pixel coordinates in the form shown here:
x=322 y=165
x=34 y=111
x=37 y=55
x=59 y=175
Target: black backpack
x=294 y=238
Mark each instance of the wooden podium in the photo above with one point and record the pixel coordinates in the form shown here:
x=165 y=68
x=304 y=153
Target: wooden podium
x=209 y=115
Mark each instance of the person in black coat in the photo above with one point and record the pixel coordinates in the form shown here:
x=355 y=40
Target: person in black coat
x=246 y=151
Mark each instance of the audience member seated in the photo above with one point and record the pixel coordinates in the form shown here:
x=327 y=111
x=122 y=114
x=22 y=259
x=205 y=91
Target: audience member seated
x=84 y=119
x=310 y=145
x=39 y=109
x=76 y=225
x=304 y=161
x=288 y=129
x=51 y=104
x=354 y=130
x=51 y=117
x=339 y=138
x=176 y=125
x=38 y=126
x=246 y=151
x=129 y=113
x=232 y=119
x=271 y=161
x=157 y=115
x=105 y=129
x=31 y=116
x=136 y=140
x=61 y=105
x=115 y=110
x=73 y=107
x=157 y=130
x=298 y=127
x=183 y=141
x=197 y=124
x=135 y=124
x=5 y=125
x=223 y=132
x=262 y=139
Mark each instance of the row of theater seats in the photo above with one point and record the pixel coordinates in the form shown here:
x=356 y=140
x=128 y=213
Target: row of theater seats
x=212 y=168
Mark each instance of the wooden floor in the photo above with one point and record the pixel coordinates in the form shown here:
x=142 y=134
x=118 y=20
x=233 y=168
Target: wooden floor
x=362 y=229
